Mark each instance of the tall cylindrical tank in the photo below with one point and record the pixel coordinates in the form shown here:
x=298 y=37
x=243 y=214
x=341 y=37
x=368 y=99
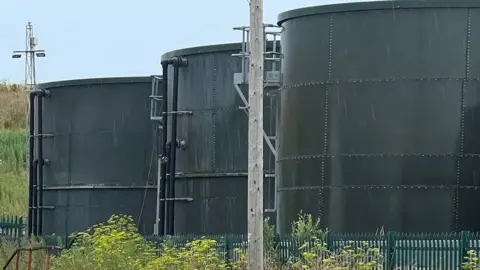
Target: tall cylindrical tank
x=379 y=116
x=98 y=147
x=211 y=182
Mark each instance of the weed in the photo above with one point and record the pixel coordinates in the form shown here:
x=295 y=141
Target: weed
x=13 y=179
x=115 y=244
x=13 y=106
x=8 y=247
x=13 y=146
x=471 y=261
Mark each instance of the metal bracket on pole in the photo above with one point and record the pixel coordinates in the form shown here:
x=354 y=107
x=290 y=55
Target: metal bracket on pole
x=272 y=82
x=272 y=75
x=265 y=136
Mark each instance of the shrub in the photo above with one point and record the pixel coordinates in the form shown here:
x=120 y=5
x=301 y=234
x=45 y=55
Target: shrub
x=315 y=255
x=198 y=254
x=306 y=228
x=115 y=244
x=349 y=257
x=471 y=261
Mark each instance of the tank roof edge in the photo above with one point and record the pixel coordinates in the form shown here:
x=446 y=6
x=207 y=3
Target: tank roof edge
x=99 y=80
x=207 y=49
x=373 y=5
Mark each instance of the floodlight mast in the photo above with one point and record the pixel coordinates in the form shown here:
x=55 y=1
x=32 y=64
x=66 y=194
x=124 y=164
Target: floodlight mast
x=30 y=53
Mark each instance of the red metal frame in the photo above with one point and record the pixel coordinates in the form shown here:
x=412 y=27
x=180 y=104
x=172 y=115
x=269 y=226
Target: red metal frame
x=18 y=253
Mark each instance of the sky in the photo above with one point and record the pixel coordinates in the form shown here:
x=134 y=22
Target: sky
x=107 y=38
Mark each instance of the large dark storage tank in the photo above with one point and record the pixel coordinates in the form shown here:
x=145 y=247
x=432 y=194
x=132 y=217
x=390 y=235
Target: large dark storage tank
x=380 y=116
x=100 y=159
x=212 y=169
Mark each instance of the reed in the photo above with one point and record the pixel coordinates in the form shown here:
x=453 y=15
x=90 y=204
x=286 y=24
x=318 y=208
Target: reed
x=13 y=106
x=13 y=179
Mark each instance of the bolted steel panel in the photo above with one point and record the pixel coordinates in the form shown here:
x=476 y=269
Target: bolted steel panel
x=378 y=125
x=100 y=153
x=213 y=166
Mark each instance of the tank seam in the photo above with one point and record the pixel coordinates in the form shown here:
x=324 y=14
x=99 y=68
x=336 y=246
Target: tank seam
x=321 y=195
x=69 y=164
x=392 y=80
x=456 y=195
x=319 y=156
x=453 y=186
x=214 y=115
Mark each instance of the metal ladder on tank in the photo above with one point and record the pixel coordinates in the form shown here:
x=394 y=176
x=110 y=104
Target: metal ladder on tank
x=156 y=100
x=156 y=115
x=272 y=83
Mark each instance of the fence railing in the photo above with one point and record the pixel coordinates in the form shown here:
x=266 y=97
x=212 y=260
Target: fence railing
x=12 y=226
x=397 y=250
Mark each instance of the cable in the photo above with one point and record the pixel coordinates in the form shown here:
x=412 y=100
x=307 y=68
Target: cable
x=148 y=175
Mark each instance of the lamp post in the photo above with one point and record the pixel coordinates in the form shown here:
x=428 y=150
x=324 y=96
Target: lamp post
x=30 y=54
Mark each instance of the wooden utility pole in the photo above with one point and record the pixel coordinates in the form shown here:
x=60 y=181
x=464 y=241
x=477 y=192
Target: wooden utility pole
x=255 y=138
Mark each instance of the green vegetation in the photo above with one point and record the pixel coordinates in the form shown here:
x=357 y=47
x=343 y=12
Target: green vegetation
x=116 y=244
x=12 y=151
x=8 y=247
x=471 y=261
x=13 y=100
x=13 y=181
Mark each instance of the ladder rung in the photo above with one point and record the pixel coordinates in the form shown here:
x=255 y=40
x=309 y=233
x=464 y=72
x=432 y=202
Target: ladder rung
x=241 y=28
x=240 y=54
x=272 y=33
x=272 y=52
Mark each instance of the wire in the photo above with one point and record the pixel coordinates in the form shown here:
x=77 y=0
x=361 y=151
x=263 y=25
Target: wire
x=148 y=175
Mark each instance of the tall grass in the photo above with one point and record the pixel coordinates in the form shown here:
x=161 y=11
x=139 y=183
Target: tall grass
x=12 y=151
x=13 y=183
x=13 y=180
x=8 y=247
x=13 y=105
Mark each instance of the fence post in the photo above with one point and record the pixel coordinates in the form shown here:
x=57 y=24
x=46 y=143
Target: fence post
x=329 y=240
x=464 y=246
x=391 y=250
x=278 y=247
x=228 y=256
x=20 y=227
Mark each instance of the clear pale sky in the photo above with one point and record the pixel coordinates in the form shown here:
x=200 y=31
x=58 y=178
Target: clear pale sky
x=103 y=38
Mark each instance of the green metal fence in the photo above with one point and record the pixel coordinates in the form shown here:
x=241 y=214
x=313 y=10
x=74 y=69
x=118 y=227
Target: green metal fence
x=12 y=226
x=398 y=250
